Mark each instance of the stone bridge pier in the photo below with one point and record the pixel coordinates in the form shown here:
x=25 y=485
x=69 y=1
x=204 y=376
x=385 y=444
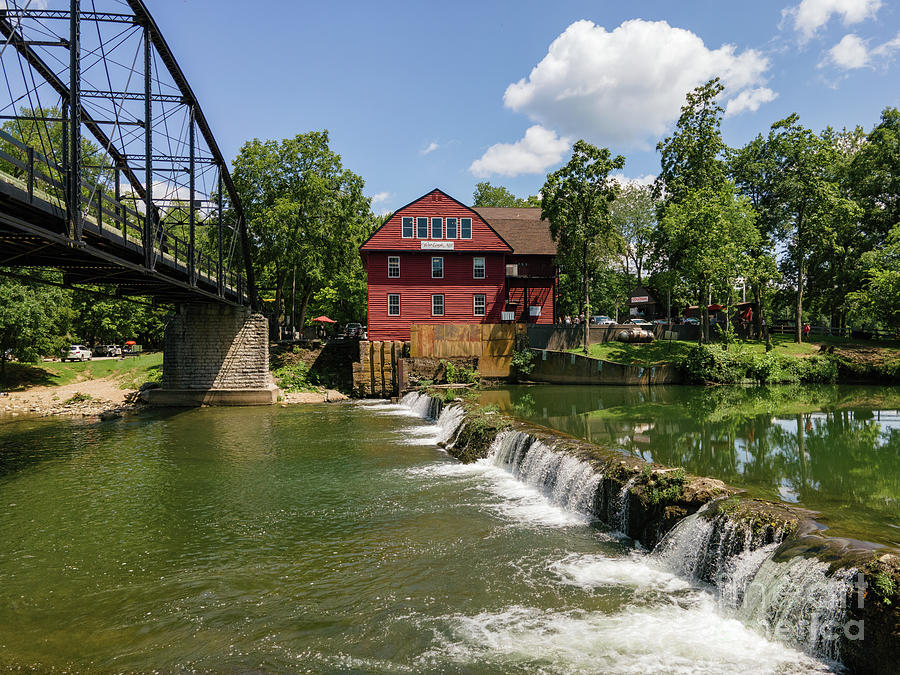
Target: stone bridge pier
x=215 y=355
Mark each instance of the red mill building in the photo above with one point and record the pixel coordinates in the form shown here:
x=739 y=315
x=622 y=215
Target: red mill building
x=438 y=261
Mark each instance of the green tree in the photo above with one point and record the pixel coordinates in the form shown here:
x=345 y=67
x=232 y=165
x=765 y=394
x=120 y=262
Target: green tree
x=498 y=196
x=633 y=215
x=576 y=200
x=306 y=214
x=30 y=315
x=880 y=296
x=714 y=229
x=809 y=198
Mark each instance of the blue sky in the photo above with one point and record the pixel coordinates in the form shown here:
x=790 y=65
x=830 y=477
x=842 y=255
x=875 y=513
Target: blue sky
x=419 y=95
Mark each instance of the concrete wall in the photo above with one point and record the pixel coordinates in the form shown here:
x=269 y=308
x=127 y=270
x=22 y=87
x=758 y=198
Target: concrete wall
x=217 y=355
x=567 y=368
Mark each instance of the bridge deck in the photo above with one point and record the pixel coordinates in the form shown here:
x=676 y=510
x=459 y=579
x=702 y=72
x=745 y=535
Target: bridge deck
x=34 y=233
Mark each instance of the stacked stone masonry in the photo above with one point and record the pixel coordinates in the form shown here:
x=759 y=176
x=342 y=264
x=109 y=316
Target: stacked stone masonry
x=377 y=373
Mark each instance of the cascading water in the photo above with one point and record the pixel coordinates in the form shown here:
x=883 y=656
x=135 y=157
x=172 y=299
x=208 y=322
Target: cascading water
x=796 y=601
x=422 y=405
x=566 y=481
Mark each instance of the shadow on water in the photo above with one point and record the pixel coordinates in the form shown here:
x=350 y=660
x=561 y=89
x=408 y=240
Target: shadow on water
x=31 y=441
x=834 y=449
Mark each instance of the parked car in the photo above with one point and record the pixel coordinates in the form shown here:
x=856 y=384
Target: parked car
x=690 y=321
x=78 y=353
x=662 y=322
x=353 y=330
x=113 y=350
x=643 y=323
x=601 y=320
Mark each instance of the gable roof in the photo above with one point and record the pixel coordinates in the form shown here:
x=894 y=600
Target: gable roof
x=387 y=237
x=522 y=228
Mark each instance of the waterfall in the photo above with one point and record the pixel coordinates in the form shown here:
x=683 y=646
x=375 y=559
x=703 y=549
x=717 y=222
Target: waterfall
x=794 y=601
x=566 y=481
x=622 y=505
x=797 y=601
x=449 y=421
x=422 y=405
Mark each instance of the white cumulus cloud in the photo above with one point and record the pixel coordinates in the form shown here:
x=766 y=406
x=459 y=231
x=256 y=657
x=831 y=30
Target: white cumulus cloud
x=380 y=197
x=539 y=149
x=749 y=99
x=810 y=15
x=431 y=147
x=853 y=52
x=626 y=86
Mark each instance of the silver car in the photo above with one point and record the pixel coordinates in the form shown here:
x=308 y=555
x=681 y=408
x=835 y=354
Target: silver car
x=78 y=353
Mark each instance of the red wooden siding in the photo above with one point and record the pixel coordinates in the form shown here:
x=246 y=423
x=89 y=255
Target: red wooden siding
x=529 y=292
x=415 y=287
x=435 y=204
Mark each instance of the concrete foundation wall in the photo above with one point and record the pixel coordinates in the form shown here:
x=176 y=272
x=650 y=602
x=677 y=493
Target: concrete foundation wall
x=377 y=373
x=568 y=368
x=215 y=355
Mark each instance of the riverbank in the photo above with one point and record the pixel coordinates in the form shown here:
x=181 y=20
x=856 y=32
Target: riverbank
x=824 y=360
x=714 y=533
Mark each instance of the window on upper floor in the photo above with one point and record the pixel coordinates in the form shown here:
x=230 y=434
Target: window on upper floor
x=437 y=305
x=393 y=267
x=422 y=228
x=479 y=304
x=394 y=304
x=465 y=228
x=478 y=268
x=437 y=268
x=437 y=228
x=407 y=227
x=451 y=228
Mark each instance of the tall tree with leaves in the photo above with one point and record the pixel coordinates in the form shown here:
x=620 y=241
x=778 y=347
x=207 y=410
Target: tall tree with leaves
x=809 y=197
x=498 y=196
x=576 y=200
x=634 y=217
x=693 y=171
x=304 y=211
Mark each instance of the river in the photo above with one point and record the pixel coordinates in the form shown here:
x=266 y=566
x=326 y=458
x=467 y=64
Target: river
x=324 y=538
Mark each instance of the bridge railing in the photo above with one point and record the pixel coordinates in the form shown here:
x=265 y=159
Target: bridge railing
x=42 y=178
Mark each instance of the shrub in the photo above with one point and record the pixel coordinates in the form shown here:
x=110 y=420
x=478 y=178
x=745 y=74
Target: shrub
x=711 y=363
x=459 y=374
x=523 y=362
x=77 y=397
x=295 y=377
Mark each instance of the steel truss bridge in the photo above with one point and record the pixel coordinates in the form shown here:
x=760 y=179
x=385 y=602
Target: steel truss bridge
x=109 y=171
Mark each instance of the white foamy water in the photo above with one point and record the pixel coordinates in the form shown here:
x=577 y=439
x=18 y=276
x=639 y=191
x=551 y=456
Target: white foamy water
x=636 y=570
x=662 y=639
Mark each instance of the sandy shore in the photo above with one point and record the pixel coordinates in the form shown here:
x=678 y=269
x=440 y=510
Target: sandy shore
x=106 y=399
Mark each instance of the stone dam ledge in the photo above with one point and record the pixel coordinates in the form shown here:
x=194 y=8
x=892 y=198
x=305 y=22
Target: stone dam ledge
x=646 y=501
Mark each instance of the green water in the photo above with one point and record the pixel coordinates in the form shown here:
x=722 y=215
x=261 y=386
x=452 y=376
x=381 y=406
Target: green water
x=332 y=538
x=833 y=449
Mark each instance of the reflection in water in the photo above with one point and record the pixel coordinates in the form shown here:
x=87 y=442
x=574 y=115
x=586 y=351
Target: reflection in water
x=835 y=449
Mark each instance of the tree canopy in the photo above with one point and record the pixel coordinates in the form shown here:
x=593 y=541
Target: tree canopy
x=498 y=196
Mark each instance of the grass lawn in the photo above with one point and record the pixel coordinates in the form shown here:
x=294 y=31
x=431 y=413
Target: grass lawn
x=663 y=351
x=131 y=372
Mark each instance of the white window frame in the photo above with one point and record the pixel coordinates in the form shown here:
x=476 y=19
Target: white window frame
x=419 y=220
x=475 y=267
x=393 y=295
x=461 y=221
x=441 y=258
x=447 y=228
x=412 y=227
x=475 y=304
x=443 y=306
x=390 y=258
x=440 y=221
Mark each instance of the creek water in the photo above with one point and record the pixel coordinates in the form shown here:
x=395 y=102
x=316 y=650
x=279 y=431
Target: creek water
x=832 y=449
x=330 y=538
